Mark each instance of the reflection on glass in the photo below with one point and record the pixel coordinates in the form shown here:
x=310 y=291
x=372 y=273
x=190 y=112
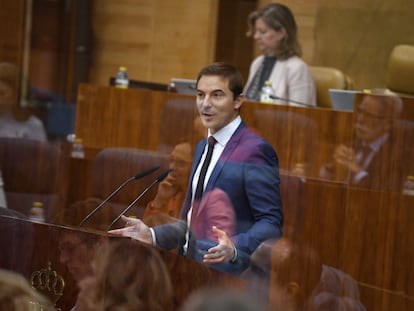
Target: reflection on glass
x=375 y=159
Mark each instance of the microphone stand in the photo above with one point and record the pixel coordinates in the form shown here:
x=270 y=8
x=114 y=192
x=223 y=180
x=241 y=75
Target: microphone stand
x=291 y=101
x=106 y=200
x=157 y=180
x=138 y=176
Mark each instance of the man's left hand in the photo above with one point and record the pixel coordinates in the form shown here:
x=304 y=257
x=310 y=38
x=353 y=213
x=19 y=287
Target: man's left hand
x=221 y=253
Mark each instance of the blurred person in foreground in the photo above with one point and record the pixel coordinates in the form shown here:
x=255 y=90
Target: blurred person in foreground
x=77 y=251
x=127 y=276
x=300 y=282
x=241 y=181
x=16 y=294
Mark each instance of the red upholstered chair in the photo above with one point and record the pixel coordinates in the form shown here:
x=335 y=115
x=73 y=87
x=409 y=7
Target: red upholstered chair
x=34 y=171
x=111 y=168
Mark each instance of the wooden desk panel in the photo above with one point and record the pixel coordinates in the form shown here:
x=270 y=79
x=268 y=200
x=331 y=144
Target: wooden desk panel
x=45 y=244
x=110 y=117
x=363 y=233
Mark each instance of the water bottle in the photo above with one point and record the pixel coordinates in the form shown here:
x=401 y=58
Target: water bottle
x=266 y=93
x=121 y=79
x=78 y=151
x=37 y=212
x=408 y=187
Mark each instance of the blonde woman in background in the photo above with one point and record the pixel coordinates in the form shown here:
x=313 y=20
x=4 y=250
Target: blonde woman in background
x=274 y=29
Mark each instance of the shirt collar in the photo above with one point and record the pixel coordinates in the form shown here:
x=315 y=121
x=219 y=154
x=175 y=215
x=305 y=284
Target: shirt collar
x=223 y=136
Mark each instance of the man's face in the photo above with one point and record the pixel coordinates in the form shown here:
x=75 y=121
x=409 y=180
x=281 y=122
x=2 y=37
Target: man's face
x=372 y=119
x=215 y=102
x=180 y=161
x=76 y=254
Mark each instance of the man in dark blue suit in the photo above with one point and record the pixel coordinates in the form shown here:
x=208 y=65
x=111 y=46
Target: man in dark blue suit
x=243 y=171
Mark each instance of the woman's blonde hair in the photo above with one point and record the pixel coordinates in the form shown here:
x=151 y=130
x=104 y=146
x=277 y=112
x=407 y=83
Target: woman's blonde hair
x=127 y=276
x=16 y=294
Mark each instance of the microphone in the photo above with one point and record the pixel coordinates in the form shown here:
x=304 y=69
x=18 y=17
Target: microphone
x=290 y=101
x=138 y=176
x=156 y=181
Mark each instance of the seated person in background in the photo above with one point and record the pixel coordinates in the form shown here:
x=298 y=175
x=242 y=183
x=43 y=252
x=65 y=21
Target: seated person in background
x=15 y=121
x=375 y=158
x=273 y=27
x=127 y=276
x=167 y=203
x=16 y=294
x=169 y=199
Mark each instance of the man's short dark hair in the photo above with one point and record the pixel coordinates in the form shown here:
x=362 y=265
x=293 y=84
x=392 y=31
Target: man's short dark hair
x=226 y=71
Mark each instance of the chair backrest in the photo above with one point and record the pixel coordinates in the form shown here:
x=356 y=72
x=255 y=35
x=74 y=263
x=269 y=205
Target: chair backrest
x=112 y=166
x=400 y=71
x=33 y=171
x=329 y=78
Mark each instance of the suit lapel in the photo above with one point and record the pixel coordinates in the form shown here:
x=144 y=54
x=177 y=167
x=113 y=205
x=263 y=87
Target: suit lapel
x=230 y=147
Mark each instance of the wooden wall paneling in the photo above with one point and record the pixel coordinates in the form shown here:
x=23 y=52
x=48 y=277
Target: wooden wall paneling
x=12 y=27
x=184 y=38
x=399 y=252
x=111 y=117
x=107 y=116
x=156 y=40
x=377 y=246
x=122 y=32
x=46 y=55
x=324 y=219
x=367 y=32
x=78 y=46
x=366 y=210
x=232 y=44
